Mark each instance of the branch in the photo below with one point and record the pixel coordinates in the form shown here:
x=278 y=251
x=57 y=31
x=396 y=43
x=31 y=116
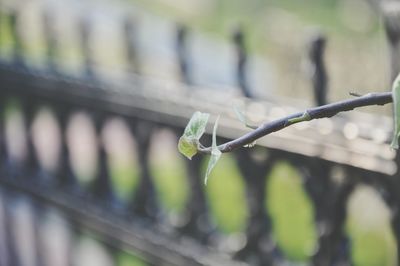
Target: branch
x=323 y=111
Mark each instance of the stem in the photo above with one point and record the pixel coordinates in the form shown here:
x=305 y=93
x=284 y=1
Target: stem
x=323 y=111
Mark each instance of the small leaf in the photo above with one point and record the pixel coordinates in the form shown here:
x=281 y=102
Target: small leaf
x=197 y=125
x=240 y=115
x=189 y=141
x=242 y=118
x=215 y=152
x=187 y=146
x=396 y=103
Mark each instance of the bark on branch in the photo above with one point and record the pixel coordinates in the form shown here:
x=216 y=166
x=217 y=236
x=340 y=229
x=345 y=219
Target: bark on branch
x=323 y=111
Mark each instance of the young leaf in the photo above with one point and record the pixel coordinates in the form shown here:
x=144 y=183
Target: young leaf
x=215 y=152
x=396 y=107
x=197 y=125
x=242 y=117
x=189 y=141
x=187 y=146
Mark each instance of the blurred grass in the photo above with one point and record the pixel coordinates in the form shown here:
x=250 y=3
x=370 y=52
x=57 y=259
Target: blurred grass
x=125 y=179
x=127 y=259
x=226 y=195
x=171 y=183
x=291 y=213
x=373 y=247
x=6 y=39
x=369 y=229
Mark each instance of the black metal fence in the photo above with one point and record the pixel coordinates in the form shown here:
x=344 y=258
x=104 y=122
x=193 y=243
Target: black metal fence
x=332 y=157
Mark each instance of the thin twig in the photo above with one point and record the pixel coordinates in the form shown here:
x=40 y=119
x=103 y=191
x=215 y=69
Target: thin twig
x=327 y=110
x=355 y=94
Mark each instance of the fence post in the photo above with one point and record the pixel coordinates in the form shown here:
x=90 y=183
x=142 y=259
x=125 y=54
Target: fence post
x=332 y=246
x=391 y=18
x=29 y=109
x=130 y=33
x=9 y=225
x=329 y=200
x=3 y=140
x=85 y=30
x=319 y=77
x=259 y=248
x=64 y=170
x=50 y=38
x=101 y=186
x=198 y=223
x=16 y=33
x=242 y=62
x=145 y=200
x=182 y=53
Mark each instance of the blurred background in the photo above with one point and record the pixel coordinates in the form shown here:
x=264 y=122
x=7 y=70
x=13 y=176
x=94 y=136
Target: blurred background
x=184 y=47
x=277 y=34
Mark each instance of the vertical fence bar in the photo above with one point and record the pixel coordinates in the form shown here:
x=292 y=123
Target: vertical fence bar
x=16 y=34
x=318 y=184
x=4 y=253
x=319 y=77
x=259 y=227
x=131 y=42
x=242 y=62
x=50 y=38
x=182 y=53
x=3 y=141
x=37 y=213
x=29 y=110
x=85 y=31
x=332 y=241
x=391 y=18
x=145 y=200
x=102 y=187
x=9 y=224
x=65 y=174
x=198 y=223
